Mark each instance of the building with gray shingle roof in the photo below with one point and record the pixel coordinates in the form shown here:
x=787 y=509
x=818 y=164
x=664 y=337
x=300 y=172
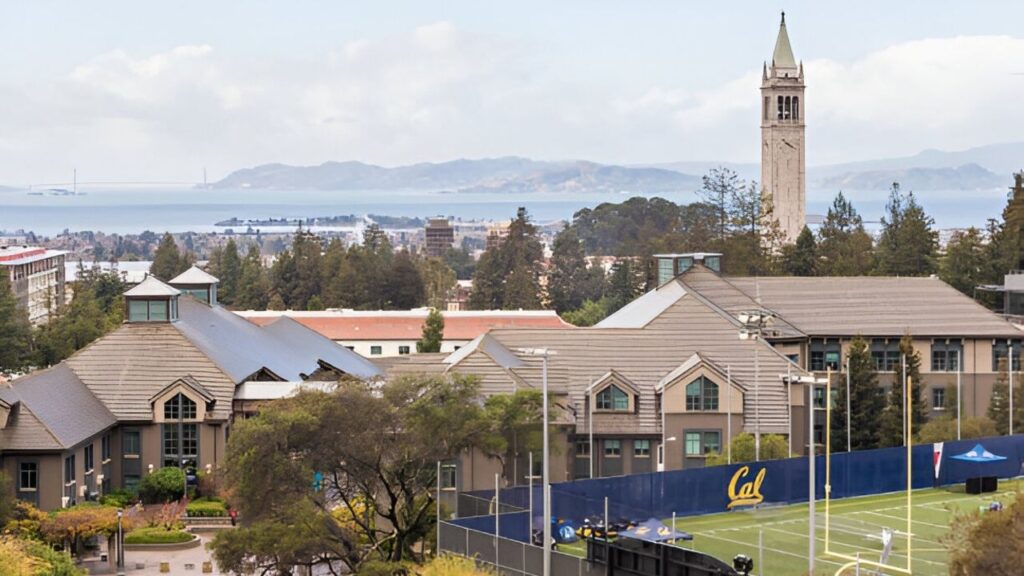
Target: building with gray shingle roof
x=157 y=391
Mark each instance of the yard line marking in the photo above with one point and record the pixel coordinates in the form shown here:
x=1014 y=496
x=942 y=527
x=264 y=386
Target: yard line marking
x=921 y=522
x=775 y=550
x=860 y=548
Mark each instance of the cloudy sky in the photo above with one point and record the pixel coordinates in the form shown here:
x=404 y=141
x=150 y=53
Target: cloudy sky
x=141 y=90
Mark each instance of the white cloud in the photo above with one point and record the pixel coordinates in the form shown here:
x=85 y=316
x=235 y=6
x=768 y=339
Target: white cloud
x=439 y=92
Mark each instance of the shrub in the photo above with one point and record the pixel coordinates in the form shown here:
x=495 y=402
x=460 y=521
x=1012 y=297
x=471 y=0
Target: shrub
x=51 y=562
x=454 y=566
x=119 y=498
x=13 y=558
x=204 y=508
x=382 y=568
x=157 y=535
x=164 y=485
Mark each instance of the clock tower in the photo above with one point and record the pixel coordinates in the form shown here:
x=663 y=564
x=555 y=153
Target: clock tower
x=783 y=171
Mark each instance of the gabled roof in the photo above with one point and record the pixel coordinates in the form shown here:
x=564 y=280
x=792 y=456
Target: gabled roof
x=639 y=312
x=491 y=347
x=692 y=363
x=152 y=286
x=190 y=383
x=310 y=343
x=783 y=55
x=194 y=275
x=721 y=294
x=61 y=403
x=613 y=377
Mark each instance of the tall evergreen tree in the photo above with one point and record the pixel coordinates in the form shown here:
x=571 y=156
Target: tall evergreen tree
x=283 y=278
x=438 y=281
x=405 y=289
x=844 y=246
x=719 y=187
x=570 y=281
x=229 y=272
x=508 y=275
x=625 y=283
x=15 y=330
x=488 y=282
x=433 y=332
x=800 y=258
x=866 y=400
x=253 y=286
x=892 y=424
x=908 y=244
x=999 y=403
x=963 y=264
x=306 y=256
x=168 y=261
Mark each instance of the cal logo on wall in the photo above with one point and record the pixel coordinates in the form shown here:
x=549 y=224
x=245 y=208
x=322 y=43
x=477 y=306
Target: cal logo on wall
x=747 y=493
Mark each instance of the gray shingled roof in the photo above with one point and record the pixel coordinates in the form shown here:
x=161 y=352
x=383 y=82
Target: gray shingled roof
x=308 y=343
x=876 y=306
x=152 y=286
x=194 y=275
x=63 y=404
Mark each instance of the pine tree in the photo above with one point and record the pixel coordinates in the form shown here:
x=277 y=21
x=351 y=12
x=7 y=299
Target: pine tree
x=488 y=282
x=168 y=261
x=719 y=187
x=433 y=332
x=405 y=289
x=15 y=330
x=283 y=278
x=999 y=403
x=253 y=286
x=229 y=273
x=963 y=264
x=866 y=400
x=893 y=417
x=306 y=254
x=844 y=246
x=624 y=284
x=438 y=281
x=908 y=244
x=276 y=302
x=570 y=281
x=800 y=259
x=314 y=303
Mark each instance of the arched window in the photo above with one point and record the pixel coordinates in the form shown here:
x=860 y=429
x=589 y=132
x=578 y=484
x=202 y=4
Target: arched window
x=612 y=398
x=796 y=107
x=788 y=110
x=780 y=107
x=702 y=395
x=180 y=407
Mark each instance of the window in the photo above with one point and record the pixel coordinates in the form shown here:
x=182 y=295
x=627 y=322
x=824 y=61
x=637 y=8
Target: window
x=147 y=310
x=375 y=350
x=999 y=348
x=825 y=354
x=69 y=469
x=612 y=398
x=403 y=349
x=353 y=348
x=938 y=398
x=819 y=397
x=767 y=107
x=130 y=444
x=180 y=407
x=794 y=358
x=105 y=449
x=702 y=395
x=642 y=448
x=582 y=449
x=180 y=444
x=88 y=458
x=131 y=482
x=28 y=476
x=946 y=355
x=885 y=354
x=703 y=442
x=449 y=476
x=612 y=448
x=796 y=107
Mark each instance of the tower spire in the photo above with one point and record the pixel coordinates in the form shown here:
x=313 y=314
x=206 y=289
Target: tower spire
x=783 y=55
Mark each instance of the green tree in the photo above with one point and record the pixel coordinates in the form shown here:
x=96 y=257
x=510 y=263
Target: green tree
x=999 y=403
x=168 y=261
x=943 y=429
x=405 y=289
x=508 y=274
x=963 y=265
x=866 y=400
x=15 y=330
x=570 y=280
x=306 y=258
x=488 y=282
x=908 y=243
x=438 y=281
x=433 y=332
x=719 y=187
x=314 y=303
x=773 y=447
x=76 y=325
x=801 y=258
x=461 y=262
x=844 y=246
x=164 y=485
x=986 y=542
x=625 y=283
x=253 y=286
x=514 y=424
x=276 y=302
x=892 y=424
x=592 y=312
x=229 y=272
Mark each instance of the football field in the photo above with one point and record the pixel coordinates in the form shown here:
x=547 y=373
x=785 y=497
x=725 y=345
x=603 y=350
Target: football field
x=856 y=528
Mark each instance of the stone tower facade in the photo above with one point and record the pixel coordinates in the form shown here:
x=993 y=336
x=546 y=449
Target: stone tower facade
x=783 y=168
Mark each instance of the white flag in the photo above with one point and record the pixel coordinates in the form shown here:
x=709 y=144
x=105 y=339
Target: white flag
x=937 y=457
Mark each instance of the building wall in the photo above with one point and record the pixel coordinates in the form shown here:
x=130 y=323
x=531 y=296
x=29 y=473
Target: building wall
x=392 y=347
x=50 y=479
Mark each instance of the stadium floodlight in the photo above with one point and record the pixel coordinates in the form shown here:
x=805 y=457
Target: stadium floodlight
x=754 y=323
x=544 y=353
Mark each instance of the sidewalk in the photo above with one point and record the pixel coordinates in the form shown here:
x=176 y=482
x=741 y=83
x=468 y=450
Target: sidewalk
x=151 y=561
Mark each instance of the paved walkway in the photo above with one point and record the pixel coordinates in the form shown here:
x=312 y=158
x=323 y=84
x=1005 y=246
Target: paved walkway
x=150 y=561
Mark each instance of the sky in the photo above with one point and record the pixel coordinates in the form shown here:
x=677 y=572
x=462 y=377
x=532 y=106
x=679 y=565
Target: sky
x=158 y=91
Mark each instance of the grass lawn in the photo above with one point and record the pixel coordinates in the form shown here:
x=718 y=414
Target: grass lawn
x=856 y=527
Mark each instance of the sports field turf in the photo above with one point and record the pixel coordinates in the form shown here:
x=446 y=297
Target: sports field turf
x=856 y=526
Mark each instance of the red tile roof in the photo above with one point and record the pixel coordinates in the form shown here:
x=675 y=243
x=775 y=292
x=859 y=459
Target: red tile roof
x=392 y=326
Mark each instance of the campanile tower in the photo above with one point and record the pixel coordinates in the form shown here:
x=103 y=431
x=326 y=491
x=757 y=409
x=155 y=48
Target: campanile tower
x=783 y=168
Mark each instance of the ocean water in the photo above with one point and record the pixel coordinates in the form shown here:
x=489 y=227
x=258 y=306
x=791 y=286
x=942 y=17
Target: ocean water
x=125 y=211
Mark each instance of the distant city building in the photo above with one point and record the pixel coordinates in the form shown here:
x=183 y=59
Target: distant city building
x=458 y=297
x=440 y=237
x=385 y=333
x=497 y=233
x=783 y=169
x=37 y=279
x=131 y=272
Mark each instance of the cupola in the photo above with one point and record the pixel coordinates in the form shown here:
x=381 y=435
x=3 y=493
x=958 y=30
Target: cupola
x=151 y=301
x=672 y=265
x=197 y=283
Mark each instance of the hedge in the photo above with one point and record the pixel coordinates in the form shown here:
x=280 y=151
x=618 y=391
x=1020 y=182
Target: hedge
x=206 y=508
x=157 y=535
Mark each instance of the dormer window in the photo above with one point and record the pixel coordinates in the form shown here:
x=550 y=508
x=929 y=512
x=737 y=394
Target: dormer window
x=197 y=283
x=180 y=407
x=612 y=398
x=702 y=395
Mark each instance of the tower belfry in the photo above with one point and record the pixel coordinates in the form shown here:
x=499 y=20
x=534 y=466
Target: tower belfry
x=783 y=168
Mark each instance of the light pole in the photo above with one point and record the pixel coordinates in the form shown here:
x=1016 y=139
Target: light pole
x=544 y=353
x=754 y=322
x=120 y=544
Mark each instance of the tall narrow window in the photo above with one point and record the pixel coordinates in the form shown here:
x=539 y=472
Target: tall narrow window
x=780 y=107
x=28 y=476
x=767 y=107
x=787 y=113
x=796 y=107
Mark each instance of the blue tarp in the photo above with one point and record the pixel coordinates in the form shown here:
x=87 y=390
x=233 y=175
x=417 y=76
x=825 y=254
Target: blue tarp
x=654 y=530
x=978 y=454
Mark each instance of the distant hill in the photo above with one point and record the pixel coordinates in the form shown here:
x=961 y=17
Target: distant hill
x=500 y=175
x=966 y=177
